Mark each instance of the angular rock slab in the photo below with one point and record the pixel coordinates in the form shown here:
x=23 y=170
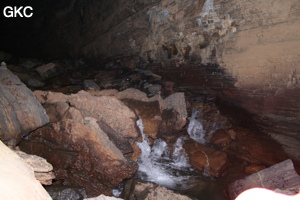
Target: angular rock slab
x=103 y=108
x=17 y=179
x=81 y=154
x=20 y=110
x=280 y=176
x=42 y=169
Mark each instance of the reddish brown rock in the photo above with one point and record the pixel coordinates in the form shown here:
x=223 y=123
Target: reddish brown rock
x=251 y=169
x=150 y=114
x=213 y=162
x=106 y=108
x=221 y=138
x=256 y=148
x=118 y=139
x=174 y=115
x=20 y=111
x=82 y=155
x=109 y=109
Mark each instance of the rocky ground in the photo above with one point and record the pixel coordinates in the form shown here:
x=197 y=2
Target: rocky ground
x=82 y=120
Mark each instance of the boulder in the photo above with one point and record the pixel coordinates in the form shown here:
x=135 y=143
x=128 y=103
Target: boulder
x=149 y=191
x=255 y=147
x=82 y=155
x=42 y=169
x=48 y=70
x=30 y=63
x=20 y=110
x=103 y=108
x=221 y=138
x=150 y=114
x=174 y=115
x=62 y=111
x=17 y=178
x=208 y=160
x=280 y=176
x=108 y=109
x=90 y=85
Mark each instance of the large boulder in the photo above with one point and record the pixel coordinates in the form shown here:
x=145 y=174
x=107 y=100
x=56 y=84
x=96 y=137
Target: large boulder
x=17 y=178
x=174 y=115
x=281 y=176
x=107 y=109
x=81 y=154
x=20 y=110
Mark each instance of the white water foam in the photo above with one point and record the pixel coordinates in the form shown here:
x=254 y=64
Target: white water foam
x=158 y=165
x=195 y=128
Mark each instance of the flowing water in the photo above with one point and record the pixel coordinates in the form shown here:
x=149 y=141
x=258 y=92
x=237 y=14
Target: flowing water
x=161 y=165
x=170 y=167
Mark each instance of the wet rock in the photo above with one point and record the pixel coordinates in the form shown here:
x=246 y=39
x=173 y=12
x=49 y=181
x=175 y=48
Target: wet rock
x=165 y=117
x=90 y=84
x=150 y=114
x=42 y=169
x=212 y=162
x=256 y=148
x=136 y=152
x=20 y=110
x=221 y=138
x=49 y=70
x=149 y=191
x=17 y=178
x=174 y=115
x=210 y=118
x=81 y=154
x=103 y=197
x=149 y=109
x=66 y=193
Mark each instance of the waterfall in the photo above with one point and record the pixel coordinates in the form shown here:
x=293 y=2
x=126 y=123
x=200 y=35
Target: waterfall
x=158 y=164
x=195 y=128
